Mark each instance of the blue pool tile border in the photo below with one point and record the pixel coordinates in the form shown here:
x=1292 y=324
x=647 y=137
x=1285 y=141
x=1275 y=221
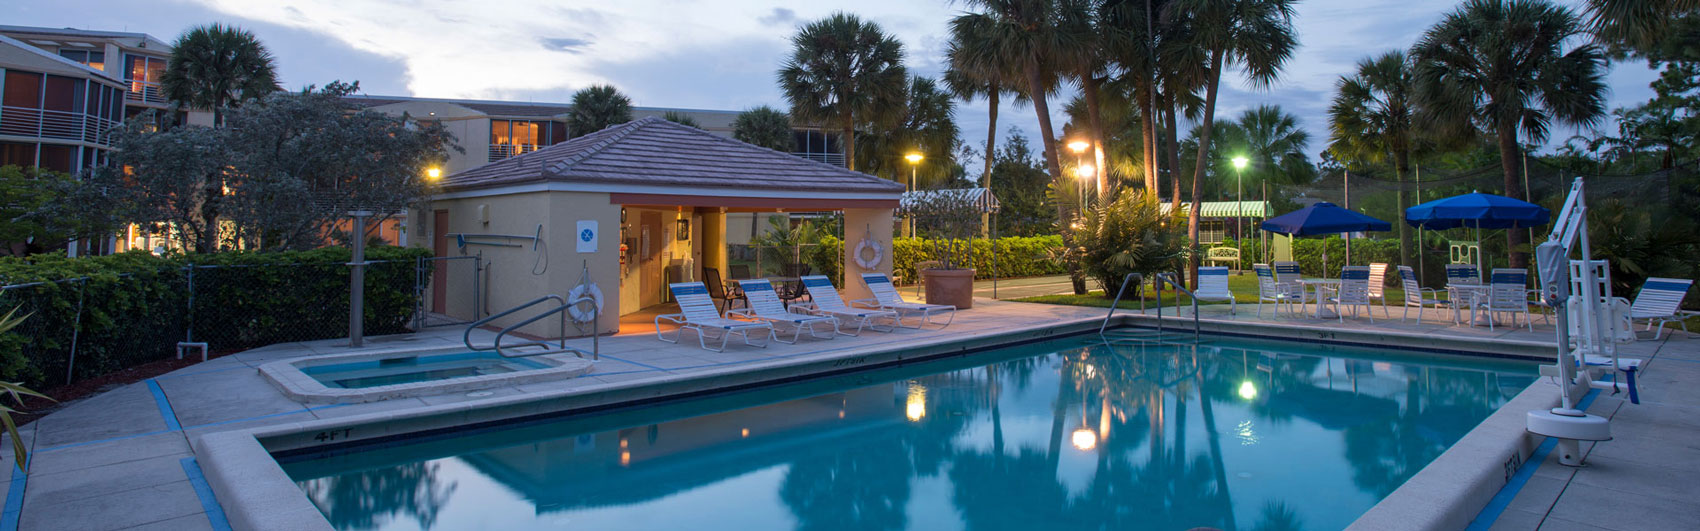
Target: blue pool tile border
x=164 y=406
x=1502 y=500
x=14 y=500
x=209 y=502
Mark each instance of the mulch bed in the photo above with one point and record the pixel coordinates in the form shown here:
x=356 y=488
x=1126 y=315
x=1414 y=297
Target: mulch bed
x=35 y=408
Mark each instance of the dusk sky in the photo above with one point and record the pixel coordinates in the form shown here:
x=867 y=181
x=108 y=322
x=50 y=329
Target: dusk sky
x=702 y=55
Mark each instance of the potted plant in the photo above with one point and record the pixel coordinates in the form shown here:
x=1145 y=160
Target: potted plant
x=945 y=219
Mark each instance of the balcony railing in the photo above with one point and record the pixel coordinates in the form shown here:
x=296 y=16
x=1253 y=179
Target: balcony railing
x=835 y=159
x=60 y=125
x=502 y=151
x=145 y=91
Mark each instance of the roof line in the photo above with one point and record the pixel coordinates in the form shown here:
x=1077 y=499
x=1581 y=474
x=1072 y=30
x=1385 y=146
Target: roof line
x=618 y=132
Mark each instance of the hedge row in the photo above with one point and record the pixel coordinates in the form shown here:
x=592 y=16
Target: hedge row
x=132 y=308
x=1017 y=257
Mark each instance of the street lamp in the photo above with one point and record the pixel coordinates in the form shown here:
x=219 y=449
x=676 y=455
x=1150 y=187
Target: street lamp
x=1082 y=170
x=1239 y=204
x=914 y=158
x=433 y=173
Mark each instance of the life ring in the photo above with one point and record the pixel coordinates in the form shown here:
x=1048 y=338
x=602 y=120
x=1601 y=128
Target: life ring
x=577 y=312
x=869 y=263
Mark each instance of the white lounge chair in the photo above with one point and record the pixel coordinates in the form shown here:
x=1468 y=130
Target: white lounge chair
x=1660 y=299
x=825 y=301
x=764 y=305
x=1508 y=293
x=1462 y=274
x=1378 y=286
x=699 y=314
x=886 y=297
x=1354 y=292
x=1417 y=296
x=1268 y=290
x=1213 y=286
x=1287 y=278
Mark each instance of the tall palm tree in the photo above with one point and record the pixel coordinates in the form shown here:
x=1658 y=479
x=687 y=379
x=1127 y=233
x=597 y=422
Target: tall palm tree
x=1371 y=119
x=596 y=107
x=926 y=126
x=1638 y=23
x=846 y=71
x=766 y=127
x=970 y=76
x=217 y=67
x=1258 y=36
x=1028 y=35
x=1089 y=64
x=1502 y=66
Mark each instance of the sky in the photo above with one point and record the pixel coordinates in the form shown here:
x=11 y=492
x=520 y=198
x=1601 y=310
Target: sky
x=697 y=55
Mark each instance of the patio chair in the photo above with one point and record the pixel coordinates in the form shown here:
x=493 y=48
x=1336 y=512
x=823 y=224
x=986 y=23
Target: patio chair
x=825 y=301
x=1462 y=274
x=764 y=305
x=697 y=313
x=717 y=291
x=1268 y=290
x=1213 y=286
x=1378 y=286
x=1354 y=292
x=1660 y=299
x=1417 y=296
x=886 y=297
x=1508 y=293
x=740 y=271
x=1287 y=278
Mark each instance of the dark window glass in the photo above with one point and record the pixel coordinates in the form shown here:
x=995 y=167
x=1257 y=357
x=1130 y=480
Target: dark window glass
x=17 y=153
x=557 y=132
x=800 y=141
x=56 y=158
x=75 y=55
x=23 y=89
x=62 y=93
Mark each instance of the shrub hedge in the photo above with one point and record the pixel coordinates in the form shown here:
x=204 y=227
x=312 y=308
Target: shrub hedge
x=1017 y=257
x=135 y=307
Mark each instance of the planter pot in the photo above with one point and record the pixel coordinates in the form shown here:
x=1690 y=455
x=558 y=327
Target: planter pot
x=949 y=286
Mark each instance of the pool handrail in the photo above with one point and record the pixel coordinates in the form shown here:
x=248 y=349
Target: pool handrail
x=1170 y=278
x=560 y=308
x=1113 y=305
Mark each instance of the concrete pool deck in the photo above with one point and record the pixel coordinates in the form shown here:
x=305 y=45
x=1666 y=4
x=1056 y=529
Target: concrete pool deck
x=126 y=459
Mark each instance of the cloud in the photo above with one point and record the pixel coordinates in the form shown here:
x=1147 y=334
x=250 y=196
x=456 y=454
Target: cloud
x=778 y=16
x=566 y=44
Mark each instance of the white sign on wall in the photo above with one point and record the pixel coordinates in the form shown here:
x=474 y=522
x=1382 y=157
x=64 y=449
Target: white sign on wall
x=586 y=236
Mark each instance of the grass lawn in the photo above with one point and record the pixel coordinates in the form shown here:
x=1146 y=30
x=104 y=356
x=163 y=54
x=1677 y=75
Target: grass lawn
x=1244 y=288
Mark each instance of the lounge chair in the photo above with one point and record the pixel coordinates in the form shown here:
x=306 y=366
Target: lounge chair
x=1287 y=278
x=764 y=305
x=1354 y=292
x=699 y=314
x=1660 y=299
x=1268 y=290
x=1213 y=286
x=1417 y=296
x=886 y=297
x=1378 y=286
x=1508 y=293
x=825 y=301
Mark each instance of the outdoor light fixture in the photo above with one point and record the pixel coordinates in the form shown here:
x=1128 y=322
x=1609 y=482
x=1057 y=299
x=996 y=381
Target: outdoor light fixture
x=1084 y=439
x=1078 y=146
x=1248 y=391
x=913 y=158
x=1085 y=171
x=1240 y=162
x=433 y=172
x=684 y=231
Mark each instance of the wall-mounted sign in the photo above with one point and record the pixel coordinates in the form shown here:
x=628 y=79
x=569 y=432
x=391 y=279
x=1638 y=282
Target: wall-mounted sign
x=586 y=236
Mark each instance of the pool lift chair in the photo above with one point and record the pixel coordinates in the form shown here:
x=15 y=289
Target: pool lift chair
x=583 y=305
x=1568 y=423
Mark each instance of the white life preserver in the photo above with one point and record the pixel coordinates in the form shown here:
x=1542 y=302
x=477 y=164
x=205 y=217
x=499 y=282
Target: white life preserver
x=869 y=263
x=577 y=312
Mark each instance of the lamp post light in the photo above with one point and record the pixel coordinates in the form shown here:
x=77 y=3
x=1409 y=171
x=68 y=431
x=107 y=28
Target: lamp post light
x=433 y=173
x=1239 y=203
x=1081 y=171
x=914 y=158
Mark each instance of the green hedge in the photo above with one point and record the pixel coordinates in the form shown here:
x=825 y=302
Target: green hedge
x=135 y=306
x=1016 y=257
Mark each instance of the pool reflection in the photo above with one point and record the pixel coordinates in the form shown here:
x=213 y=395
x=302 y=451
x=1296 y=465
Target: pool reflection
x=1096 y=436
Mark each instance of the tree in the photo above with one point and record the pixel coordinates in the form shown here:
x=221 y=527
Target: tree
x=596 y=107
x=846 y=71
x=1029 y=36
x=970 y=76
x=1372 y=119
x=681 y=119
x=217 y=67
x=766 y=127
x=1019 y=182
x=1130 y=235
x=1638 y=24
x=24 y=190
x=1258 y=36
x=926 y=126
x=1089 y=65
x=1502 y=66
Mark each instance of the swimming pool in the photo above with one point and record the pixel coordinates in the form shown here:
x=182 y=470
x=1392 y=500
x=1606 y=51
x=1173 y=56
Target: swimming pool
x=411 y=369
x=1063 y=434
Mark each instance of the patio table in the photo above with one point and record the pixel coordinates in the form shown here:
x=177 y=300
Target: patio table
x=1317 y=285
x=1473 y=294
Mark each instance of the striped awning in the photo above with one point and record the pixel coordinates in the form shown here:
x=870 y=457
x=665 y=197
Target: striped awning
x=981 y=197
x=1227 y=209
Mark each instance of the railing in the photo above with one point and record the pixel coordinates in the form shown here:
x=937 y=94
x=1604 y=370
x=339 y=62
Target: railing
x=561 y=307
x=62 y=125
x=502 y=151
x=835 y=159
x=1129 y=279
x=145 y=91
x=1170 y=278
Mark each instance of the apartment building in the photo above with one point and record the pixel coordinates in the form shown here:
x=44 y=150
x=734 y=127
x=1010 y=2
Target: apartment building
x=55 y=113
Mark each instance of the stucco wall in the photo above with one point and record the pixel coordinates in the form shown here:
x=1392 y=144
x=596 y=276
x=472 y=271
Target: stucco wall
x=858 y=224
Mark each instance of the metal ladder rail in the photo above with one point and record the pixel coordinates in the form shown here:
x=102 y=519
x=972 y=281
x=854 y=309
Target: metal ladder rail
x=1170 y=278
x=1113 y=305
x=560 y=308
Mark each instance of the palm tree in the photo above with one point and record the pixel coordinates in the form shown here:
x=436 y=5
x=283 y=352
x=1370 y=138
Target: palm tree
x=766 y=127
x=216 y=67
x=1028 y=36
x=1372 y=118
x=969 y=77
x=681 y=119
x=927 y=126
x=596 y=107
x=1637 y=23
x=1089 y=65
x=844 y=70
x=1258 y=35
x=1502 y=66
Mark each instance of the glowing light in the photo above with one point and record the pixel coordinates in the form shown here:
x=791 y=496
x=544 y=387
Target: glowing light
x=840 y=413
x=433 y=173
x=1085 y=171
x=1084 y=439
x=745 y=433
x=1240 y=162
x=916 y=406
x=1078 y=146
x=625 y=458
x=913 y=158
x=1248 y=391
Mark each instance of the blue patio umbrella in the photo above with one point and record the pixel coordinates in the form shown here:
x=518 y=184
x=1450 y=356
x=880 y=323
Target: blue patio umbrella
x=1477 y=211
x=1324 y=218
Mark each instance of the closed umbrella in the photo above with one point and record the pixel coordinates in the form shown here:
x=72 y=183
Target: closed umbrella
x=1325 y=218
x=1478 y=211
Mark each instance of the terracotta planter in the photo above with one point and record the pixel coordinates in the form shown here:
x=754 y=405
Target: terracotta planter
x=949 y=286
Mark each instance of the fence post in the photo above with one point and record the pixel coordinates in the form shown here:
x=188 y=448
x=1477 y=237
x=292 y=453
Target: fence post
x=357 y=280
x=76 y=330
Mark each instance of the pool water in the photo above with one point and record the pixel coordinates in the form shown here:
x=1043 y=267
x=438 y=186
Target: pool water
x=1066 y=434
x=410 y=369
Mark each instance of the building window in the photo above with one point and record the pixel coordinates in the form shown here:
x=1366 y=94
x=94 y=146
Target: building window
x=818 y=146
x=95 y=60
x=23 y=90
x=515 y=137
x=144 y=74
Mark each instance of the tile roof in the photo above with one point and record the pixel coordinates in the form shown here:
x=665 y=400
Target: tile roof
x=655 y=152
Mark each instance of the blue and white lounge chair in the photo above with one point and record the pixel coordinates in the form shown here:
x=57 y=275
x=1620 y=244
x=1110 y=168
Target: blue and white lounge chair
x=1417 y=296
x=825 y=301
x=1508 y=293
x=1213 y=286
x=764 y=305
x=1660 y=299
x=1268 y=290
x=1463 y=274
x=699 y=314
x=1354 y=292
x=1287 y=277
x=887 y=298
